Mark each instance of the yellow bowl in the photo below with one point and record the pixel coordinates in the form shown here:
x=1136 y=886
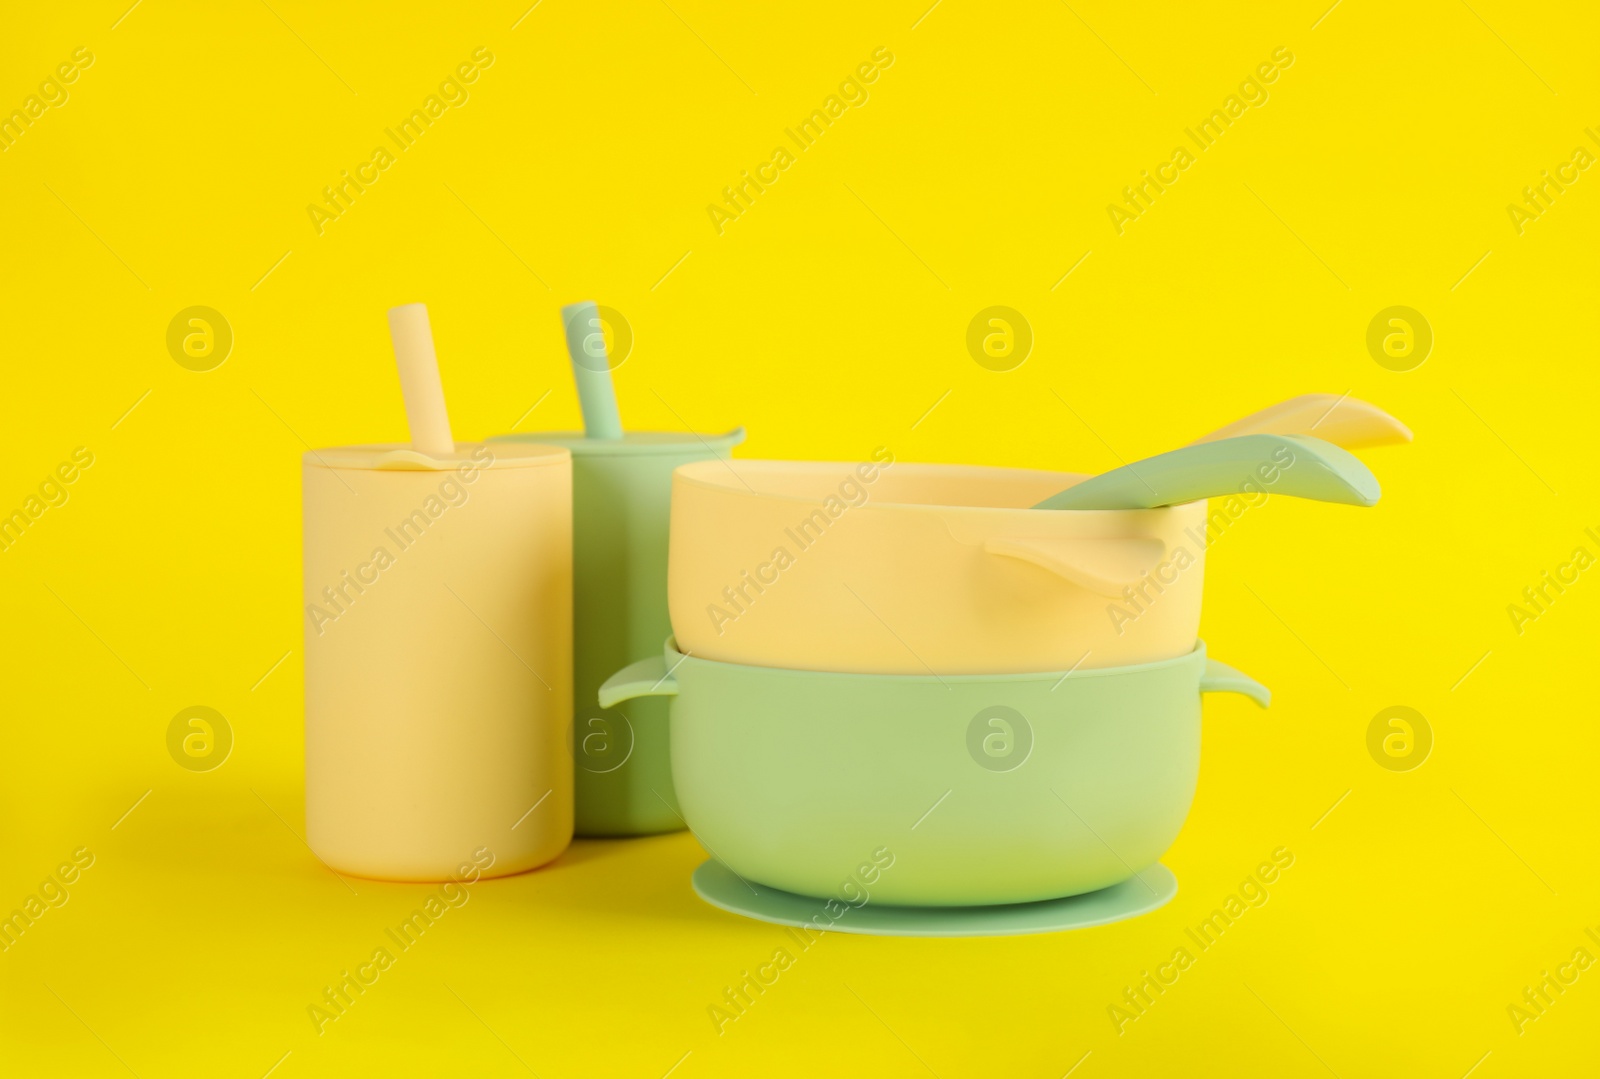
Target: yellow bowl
x=890 y=568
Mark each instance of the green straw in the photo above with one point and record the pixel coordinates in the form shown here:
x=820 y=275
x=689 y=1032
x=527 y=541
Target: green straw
x=592 y=370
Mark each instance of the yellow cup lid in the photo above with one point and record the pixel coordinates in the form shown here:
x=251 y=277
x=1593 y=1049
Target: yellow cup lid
x=400 y=457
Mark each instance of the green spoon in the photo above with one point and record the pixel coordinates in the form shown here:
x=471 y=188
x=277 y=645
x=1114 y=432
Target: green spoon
x=1296 y=465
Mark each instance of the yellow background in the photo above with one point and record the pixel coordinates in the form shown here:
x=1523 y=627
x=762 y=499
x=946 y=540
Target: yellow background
x=828 y=319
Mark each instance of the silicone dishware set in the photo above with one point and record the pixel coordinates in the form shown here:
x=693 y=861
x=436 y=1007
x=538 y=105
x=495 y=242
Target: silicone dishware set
x=892 y=698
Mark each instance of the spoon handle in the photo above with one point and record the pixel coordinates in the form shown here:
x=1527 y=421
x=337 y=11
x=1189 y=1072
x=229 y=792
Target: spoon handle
x=1294 y=465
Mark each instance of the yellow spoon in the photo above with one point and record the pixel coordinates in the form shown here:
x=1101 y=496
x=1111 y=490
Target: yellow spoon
x=1347 y=422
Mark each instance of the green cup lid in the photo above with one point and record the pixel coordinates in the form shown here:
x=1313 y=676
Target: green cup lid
x=632 y=443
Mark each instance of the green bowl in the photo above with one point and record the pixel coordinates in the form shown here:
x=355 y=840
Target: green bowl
x=925 y=790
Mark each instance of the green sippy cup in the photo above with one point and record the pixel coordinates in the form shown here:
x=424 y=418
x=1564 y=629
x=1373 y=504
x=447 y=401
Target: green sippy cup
x=621 y=493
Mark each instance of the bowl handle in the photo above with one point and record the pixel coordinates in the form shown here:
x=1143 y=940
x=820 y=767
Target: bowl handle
x=1221 y=678
x=1103 y=566
x=647 y=678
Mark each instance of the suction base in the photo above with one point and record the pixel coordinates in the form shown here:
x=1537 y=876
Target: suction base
x=721 y=887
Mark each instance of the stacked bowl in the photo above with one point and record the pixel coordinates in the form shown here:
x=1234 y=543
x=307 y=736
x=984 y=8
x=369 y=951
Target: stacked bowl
x=907 y=684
